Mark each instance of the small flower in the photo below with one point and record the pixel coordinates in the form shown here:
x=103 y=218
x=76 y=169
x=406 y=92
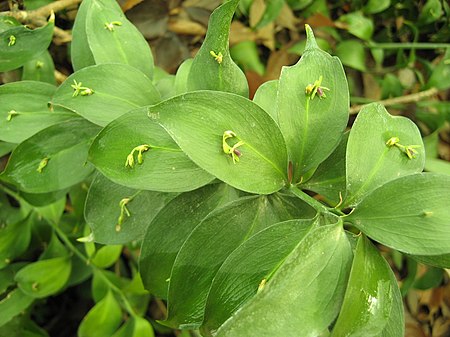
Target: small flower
x=110 y=26
x=12 y=40
x=218 y=57
x=123 y=211
x=231 y=150
x=42 y=164
x=392 y=141
x=140 y=158
x=11 y=114
x=312 y=89
x=80 y=90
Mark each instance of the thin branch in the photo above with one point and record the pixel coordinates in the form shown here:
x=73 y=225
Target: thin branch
x=400 y=100
x=41 y=13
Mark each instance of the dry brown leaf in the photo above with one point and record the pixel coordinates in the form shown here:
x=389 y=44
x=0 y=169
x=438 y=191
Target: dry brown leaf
x=276 y=61
x=239 y=32
x=320 y=20
x=287 y=19
x=128 y=4
x=256 y=12
x=412 y=327
x=186 y=27
x=371 y=88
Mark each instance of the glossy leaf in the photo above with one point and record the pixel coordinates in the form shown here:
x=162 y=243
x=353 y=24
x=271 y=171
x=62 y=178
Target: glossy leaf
x=368 y=299
x=6 y=148
x=26 y=103
x=197 y=121
x=13 y=304
x=44 y=278
x=40 y=68
x=102 y=320
x=14 y=240
x=441 y=261
x=256 y=259
x=221 y=74
x=20 y=44
x=102 y=211
x=312 y=127
x=52 y=159
x=370 y=161
x=181 y=78
x=80 y=53
x=110 y=37
x=135 y=327
x=164 y=167
x=265 y=97
x=216 y=237
x=352 y=54
x=169 y=229
x=118 y=88
x=409 y=214
x=106 y=256
x=358 y=25
x=329 y=178
x=395 y=326
x=304 y=295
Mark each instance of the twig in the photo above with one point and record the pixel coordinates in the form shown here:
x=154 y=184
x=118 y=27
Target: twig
x=400 y=100
x=41 y=13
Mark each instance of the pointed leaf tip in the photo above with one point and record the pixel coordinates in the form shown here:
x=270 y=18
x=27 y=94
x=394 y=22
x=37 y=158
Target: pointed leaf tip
x=310 y=39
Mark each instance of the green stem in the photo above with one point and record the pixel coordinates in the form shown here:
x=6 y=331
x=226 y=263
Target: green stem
x=407 y=45
x=317 y=205
x=86 y=260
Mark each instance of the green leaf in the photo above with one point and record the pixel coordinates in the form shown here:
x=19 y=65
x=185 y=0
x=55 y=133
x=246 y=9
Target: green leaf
x=181 y=78
x=395 y=327
x=440 y=76
x=312 y=128
x=80 y=53
x=19 y=44
x=221 y=232
x=368 y=299
x=265 y=96
x=53 y=211
x=52 y=159
x=102 y=320
x=441 y=261
x=44 y=278
x=135 y=327
x=409 y=214
x=358 y=25
x=14 y=240
x=298 y=4
x=304 y=295
x=370 y=161
x=206 y=72
x=102 y=211
x=431 y=12
x=26 y=104
x=6 y=148
x=197 y=121
x=164 y=168
x=13 y=304
x=110 y=37
x=376 y=6
x=40 y=68
x=169 y=229
x=352 y=54
x=112 y=95
x=256 y=259
x=246 y=55
x=273 y=9
x=329 y=178
x=106 y=256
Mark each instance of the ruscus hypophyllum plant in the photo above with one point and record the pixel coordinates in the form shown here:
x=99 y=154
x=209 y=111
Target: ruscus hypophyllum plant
x=212 y=185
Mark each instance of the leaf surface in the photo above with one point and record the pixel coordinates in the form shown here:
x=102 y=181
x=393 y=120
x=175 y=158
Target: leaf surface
x=304 y=295
x=216 y=237
x=26 y=102
x=52 y=159
x=369 y=296
x=255 y=260
x=206 y=72
x=102 y=211
x=164 y=167
x=410 y=214
x=118 y=88
x=169 y=229
x=370 y=162
x=19 y=44
x=198 y=120
x=312 y=127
